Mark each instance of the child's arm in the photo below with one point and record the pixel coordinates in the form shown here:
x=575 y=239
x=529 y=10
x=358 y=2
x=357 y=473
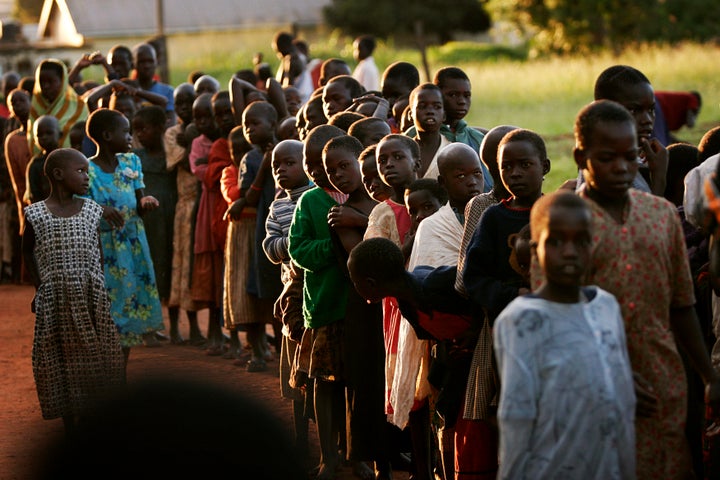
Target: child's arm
x=309 y=248
x=145 y=203
x=275 y=243
x=239 y=89
x=252 y=195
x=229 y=184
x=656 y=157
x=276 y=97
x=344 y=217
x=349 y=237
x=28 y=251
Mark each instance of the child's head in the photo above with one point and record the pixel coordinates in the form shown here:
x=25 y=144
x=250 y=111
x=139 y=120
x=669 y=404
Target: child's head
x=51 y=77
x=183 y=98
x=313 y=113
x=120 y=59
x=222 y=111
x=561 y=229
x=488 y=155
x=338 y=94
x=521 y=252
x=606 y=148
x=145 y=60
x=8 y=83
x=259 y=120
x=287 y=165
x=423 y=197
x=194 y=75
x=206 y=84
x=340 y=158
x=312 y=153
x=69 y=168
x=46 y=131
x=344 y=120
x=523 y=163
x=709 y=144
x=292 y=99
x=631 y=89
x=398 y=80
x=331 y=68
x=378 y=190
x=398 y=160
x=405 y=119
x=682 y=157
x=369 y=130
x=239 y=145
x=109 y=130
x=27 y=83
x=18 y=103
x=123 y=103
x=428 y=113
x=287 y=129
x=363 y=47
x=203 y=115
x=282 y=43
x=456 y=92
x=376 y=265
x=77 y=135
x=148 y=125
x=460 y=173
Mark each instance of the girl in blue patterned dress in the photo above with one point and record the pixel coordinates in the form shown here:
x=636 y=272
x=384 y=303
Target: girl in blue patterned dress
x=116 y=183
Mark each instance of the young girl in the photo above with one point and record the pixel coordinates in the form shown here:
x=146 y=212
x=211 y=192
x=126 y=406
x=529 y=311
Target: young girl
x=76 y=353
x=428 y=114
x=149 y=127
x=489 y=278
x=116 y=183
x=567 y=401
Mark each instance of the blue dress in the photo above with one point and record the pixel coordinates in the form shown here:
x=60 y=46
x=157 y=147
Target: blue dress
x=129 y=275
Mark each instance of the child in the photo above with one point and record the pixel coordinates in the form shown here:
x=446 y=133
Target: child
x=149 y=127
x=366 y=72
x=76 y=355
x=489 y=279
x=287 y=167
x=47 y=136
x=567 y=402
x=331 y=68
x=377 y=189
x=177 y=150
x=423 y=198
x=145 y=63
x=292 y=100
x=369 y=130
x=639 y=255
x=339 y=93
x=314 y=114
x=398 y=80
x=116 y=183
x=344 y=119
x=17 y=155
x=428 y=114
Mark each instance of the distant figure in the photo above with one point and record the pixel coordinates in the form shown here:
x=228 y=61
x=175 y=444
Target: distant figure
x=366 y=72
x=293 y=65
x=679 y=109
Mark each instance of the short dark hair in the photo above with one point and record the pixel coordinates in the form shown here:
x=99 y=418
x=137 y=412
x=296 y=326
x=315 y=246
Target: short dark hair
x=151 y=114
x=360 y=128
x=57 y=159
x=265 y=108
x=378 y=258
x=101 y=120
x=354 y=87
x=430 y=185
x=367 y=152
x=540 y=213
x=407 y=72
x=615 y=78
x=345 y=142
x=523 y=135
x=367 y=42
x=449 y=73
x=709 y=144
x=345 y=119
x=594 y=113
x=320 y=135
x=407 y=141
x=422 y=87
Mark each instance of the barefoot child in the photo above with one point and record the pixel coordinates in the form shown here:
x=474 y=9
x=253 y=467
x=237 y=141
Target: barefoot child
x=567 y=401
x=116 y=183
x=76 y=354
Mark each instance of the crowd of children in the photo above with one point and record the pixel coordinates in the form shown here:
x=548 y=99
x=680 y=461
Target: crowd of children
x=428 y=298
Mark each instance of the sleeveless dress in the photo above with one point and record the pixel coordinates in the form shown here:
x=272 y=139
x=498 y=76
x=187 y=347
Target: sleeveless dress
x=129 y=274
x=76 y=353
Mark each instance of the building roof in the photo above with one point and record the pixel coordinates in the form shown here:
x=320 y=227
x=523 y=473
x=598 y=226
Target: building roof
x=70 y=20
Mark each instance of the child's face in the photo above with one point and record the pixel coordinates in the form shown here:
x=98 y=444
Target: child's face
x=393 y=89
x=224 y=118
x=119 y=139
x=288 y=131
x=463 y=179
x=74 y=174
x=203 y=118
x=521 y=170
x=238 y=148
x=457 y=98
x=336 y=98
x=125 y=105
x=564 y=246
x=183 y=106
x=121 y=63
x=147 y=134
x=50 y=84
x=287 y=169
x=257 y=128
x=314 y=116
x=292 y=100
x=313 y=165
x=371 y=179
x=145 y=63
x=428 y=112
x=19 y=105
x=47 y=135
x=609 y=161
x=374 y=133
x=395 y=163
x=343 y=170
x=421 y=204
x=639 y=99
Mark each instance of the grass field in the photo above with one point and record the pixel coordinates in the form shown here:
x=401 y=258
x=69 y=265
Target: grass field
x=542 y=94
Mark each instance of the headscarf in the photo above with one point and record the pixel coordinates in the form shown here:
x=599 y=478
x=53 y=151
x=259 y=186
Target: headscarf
x=68 y=108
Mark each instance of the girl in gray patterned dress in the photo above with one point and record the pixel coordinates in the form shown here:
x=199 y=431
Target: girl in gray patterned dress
x=76 y=356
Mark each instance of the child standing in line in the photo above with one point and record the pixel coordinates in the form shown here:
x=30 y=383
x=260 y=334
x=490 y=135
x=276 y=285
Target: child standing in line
x=76 y=352
x=377 y=189
x=567 y=402
x=149 y=127
x=17 y=154
x=398 y=80
x=116 y=183
x=47 y=136
x=639 y=256
x=339 y=93
x=177 y=150
x=289 y=175
x=428 y=114
x=369 y=130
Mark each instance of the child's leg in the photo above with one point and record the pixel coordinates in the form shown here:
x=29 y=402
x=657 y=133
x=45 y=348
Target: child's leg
x=421 y=443
x=301 y=430
x=256 y=338
x=214 y=333
x=327 y=428
x=234 y=349
x=196 y=337
x=174 y=317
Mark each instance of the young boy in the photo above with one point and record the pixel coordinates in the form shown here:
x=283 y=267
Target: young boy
x=366 y=72
x=145 y=63
x=47 y=137
x=639 y=255
x=428 y=113
x=369 y=130
x=567 y=402
x=397 y=82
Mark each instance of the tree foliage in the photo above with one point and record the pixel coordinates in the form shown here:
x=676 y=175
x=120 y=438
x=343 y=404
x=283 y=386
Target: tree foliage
x=385 y=18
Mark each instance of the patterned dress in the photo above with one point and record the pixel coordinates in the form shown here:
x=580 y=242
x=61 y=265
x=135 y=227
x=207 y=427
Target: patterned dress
x=76 y=352
x=129 y=275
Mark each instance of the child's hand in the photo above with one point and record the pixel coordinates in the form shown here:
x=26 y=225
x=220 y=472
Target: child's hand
x=646 y=399
x=235 y=210
x=339 y=217
x=113 y=216
x=656 y=157
x=148 y=203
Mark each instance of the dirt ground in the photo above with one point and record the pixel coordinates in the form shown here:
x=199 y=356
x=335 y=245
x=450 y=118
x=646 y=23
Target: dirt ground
x=22 y=427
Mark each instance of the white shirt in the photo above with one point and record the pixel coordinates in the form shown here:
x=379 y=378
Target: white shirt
x=367 y=74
